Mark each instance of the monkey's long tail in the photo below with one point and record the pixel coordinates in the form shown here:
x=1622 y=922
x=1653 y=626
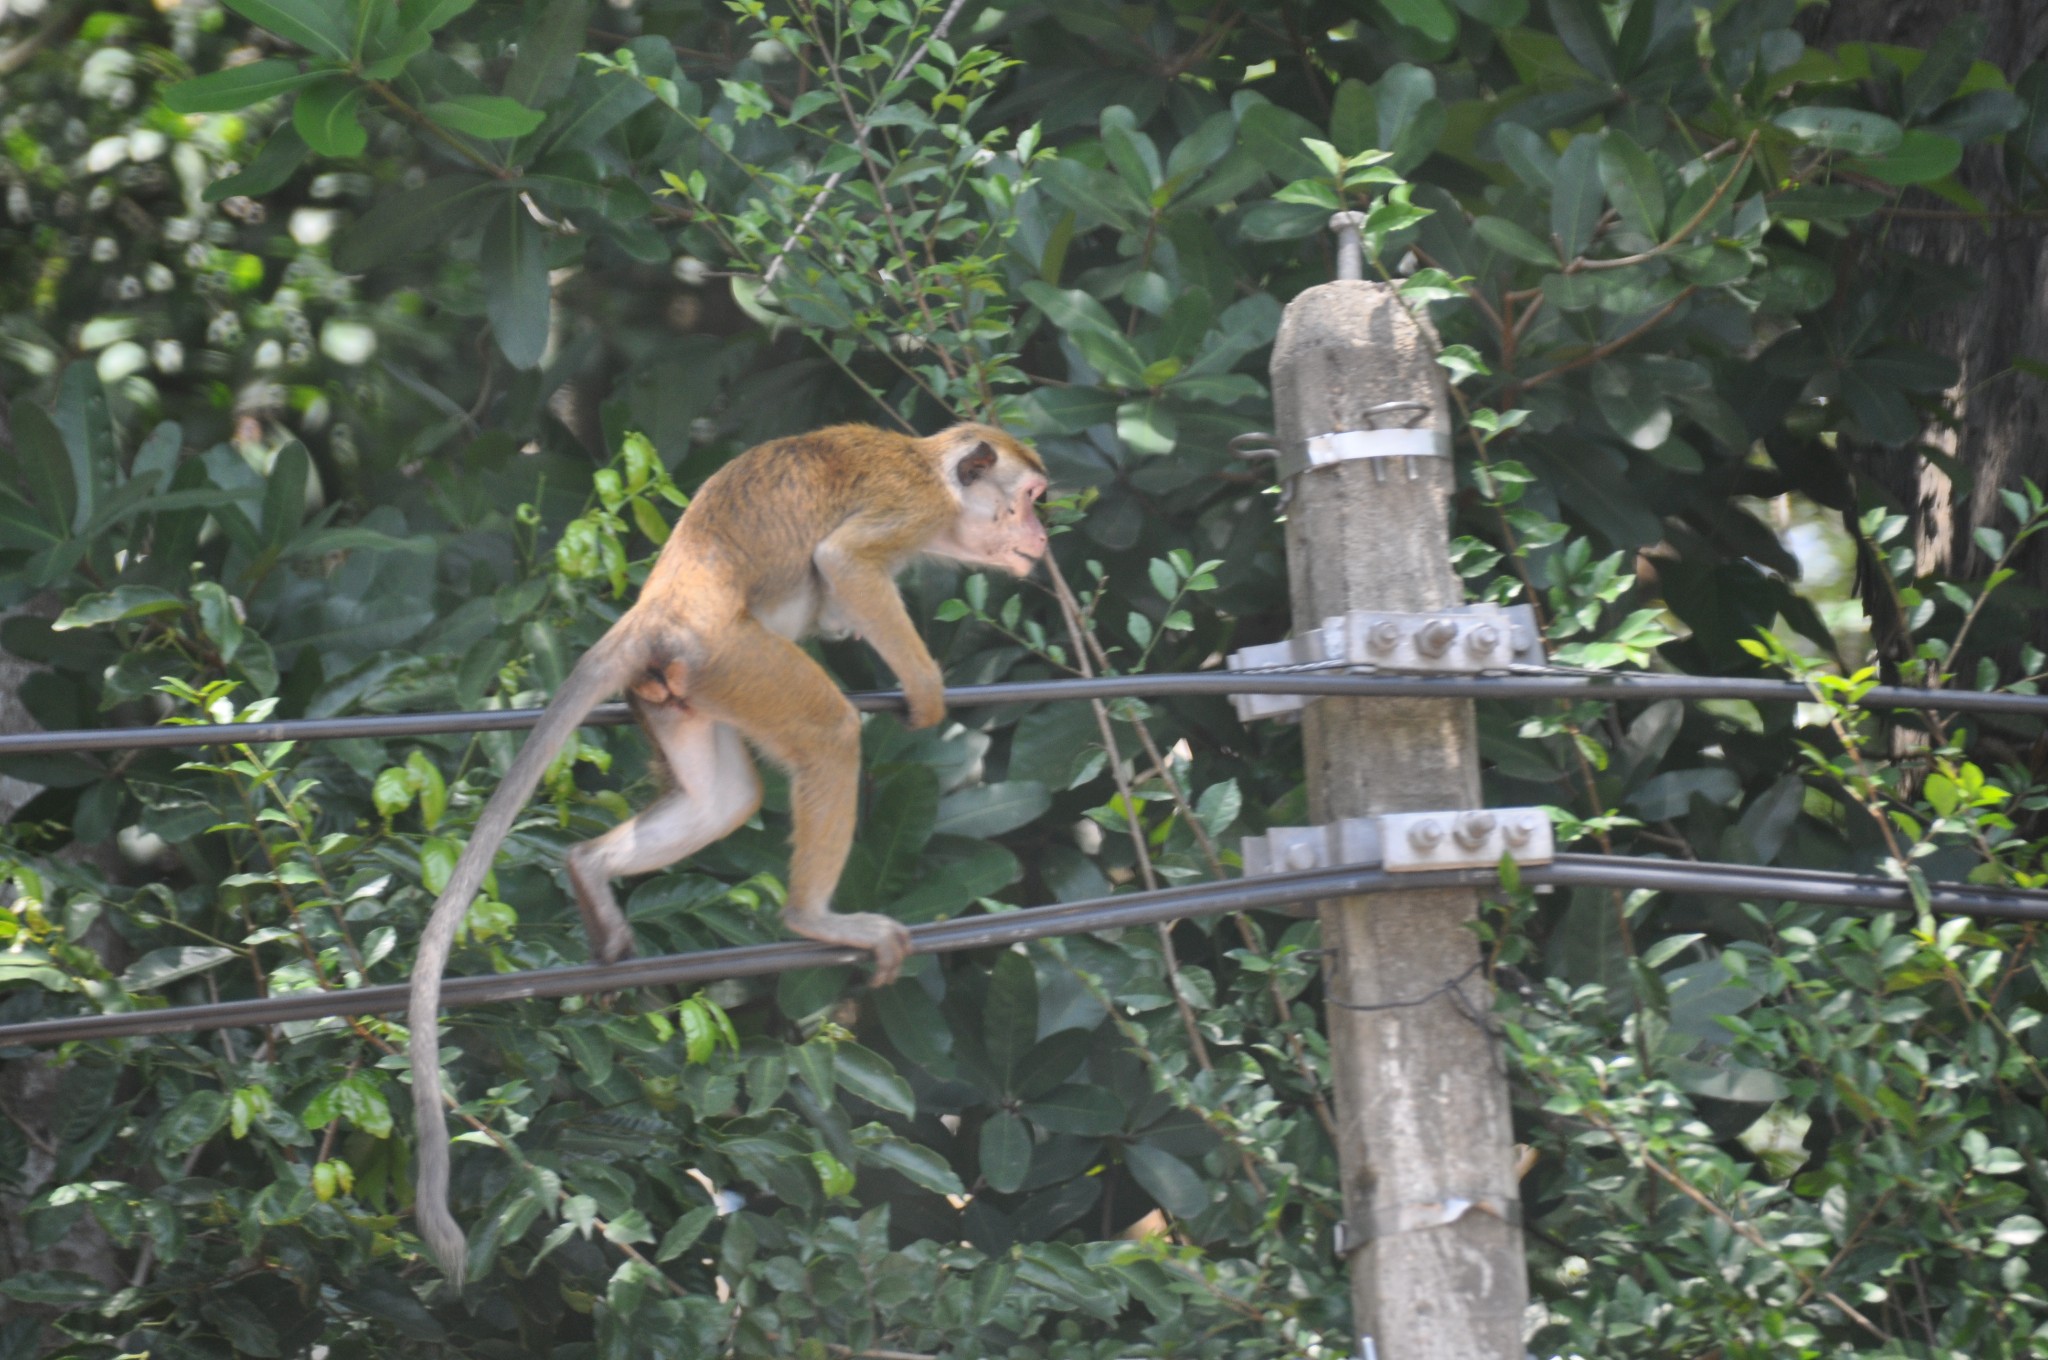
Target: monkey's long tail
x=600 y=673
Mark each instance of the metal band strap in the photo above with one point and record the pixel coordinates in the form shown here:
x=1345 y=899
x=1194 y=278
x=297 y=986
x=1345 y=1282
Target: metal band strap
x=1343 y=446
x=1393 y=1220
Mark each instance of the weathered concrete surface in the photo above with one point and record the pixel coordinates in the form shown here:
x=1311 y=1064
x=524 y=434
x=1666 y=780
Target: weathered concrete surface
x=1422 y=1102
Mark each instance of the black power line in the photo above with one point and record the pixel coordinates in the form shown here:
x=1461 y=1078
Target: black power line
x=1847 y=892
x=1624 y=685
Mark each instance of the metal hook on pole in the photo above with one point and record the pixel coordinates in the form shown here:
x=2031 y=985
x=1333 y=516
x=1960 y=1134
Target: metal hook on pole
x=1350 y=244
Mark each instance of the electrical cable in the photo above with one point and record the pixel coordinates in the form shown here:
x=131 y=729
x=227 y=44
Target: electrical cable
x=1518 y=685
x=1852 y=892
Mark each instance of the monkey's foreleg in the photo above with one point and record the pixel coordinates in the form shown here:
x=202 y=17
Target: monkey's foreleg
x=716 y=789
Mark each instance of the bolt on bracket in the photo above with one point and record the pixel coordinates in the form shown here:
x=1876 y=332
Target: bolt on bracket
x=1464 y=640
x=1405 y=842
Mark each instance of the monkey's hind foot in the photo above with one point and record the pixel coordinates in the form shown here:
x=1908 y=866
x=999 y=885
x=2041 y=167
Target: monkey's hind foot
x=882 y=936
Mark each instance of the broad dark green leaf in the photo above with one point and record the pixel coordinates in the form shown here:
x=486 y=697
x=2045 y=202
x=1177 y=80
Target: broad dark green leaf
x=1432 y=18
x=46 y=467
x=1582 y=26
x=547 y=53
x=413 y=219
x=1077 y=1108
x=325 y=115
x=1933 y=82
x=488 y=116
x=1576 y=201
x=237 y=86
x=1632 y=184
x=161 y=967
x=1856 y=131
x=1275 y=135
x=281 y=155
x=919 y=1165
x=1920 y=158
x=515 y=275
x=284 y=493
x=867 y=1074
x=992 y=809
x=1510 y=239
x=1005 y=1151
x=195 y=1119
x=319 y=26
x=1169 y=1180
x=117 y=605
x=1009 y=1023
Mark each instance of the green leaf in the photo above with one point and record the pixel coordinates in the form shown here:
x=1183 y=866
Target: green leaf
x=429 y=15
x=489 y=116
x=237 y=86
x=1429 y=17
x=1632 y=184
x=284 y=153
x=317 y=25
x=868 y=1075
x=1009 y=1020
x=325 y=115
x=1510 y=239
x=992 y=809
x=162 y=967
x=355 y=1098
x=1005 y=1151
x=58 y=1288
x=1856 y=131
x=681 y=1237
x=284 y=493
x=1077 y=1108
x=1168 y=1179
x=547 y=55
x=46 y=467
x=1920 y=158
x=417 y=219
x=195 y=1119
x=515 y=275
x=918 y=1165
x=1576 y=202
x=116 y=605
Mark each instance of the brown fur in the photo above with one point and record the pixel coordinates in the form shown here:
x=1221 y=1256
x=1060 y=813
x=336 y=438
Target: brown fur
x=794 y=536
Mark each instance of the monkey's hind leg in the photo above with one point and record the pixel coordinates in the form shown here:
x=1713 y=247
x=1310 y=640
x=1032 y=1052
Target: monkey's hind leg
x=716 y=788
x=787 y=706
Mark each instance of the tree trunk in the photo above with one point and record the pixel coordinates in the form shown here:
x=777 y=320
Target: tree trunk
x=1998 y=413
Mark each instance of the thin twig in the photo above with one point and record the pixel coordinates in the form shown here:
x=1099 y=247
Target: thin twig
x=1070 y=610
x=860 y=144
x=1594 y=356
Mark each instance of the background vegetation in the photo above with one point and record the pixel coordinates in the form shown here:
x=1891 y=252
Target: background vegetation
x=356 y=356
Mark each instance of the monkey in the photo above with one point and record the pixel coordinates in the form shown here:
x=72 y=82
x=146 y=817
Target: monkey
x=793 y=537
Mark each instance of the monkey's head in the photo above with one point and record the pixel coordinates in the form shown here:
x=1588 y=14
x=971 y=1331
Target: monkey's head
x=997 y=483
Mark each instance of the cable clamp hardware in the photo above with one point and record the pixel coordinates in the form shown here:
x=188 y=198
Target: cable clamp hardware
x=1470 y=639
x=1405 y=842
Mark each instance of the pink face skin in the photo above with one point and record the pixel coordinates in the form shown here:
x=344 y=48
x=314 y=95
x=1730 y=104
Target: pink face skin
x=998 y=525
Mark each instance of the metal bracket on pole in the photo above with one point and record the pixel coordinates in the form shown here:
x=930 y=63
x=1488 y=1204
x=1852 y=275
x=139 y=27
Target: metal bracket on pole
x=1405 y=842
x=1466 y=640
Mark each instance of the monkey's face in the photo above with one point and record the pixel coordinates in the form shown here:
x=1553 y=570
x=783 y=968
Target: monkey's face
x=999 y=485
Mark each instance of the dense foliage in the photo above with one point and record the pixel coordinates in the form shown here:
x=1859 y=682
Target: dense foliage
x=358 y=355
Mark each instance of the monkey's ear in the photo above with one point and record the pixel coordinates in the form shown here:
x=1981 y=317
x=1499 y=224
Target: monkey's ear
x=975 y=465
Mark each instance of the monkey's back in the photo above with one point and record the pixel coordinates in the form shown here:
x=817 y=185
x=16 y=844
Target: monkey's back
x=749 y=537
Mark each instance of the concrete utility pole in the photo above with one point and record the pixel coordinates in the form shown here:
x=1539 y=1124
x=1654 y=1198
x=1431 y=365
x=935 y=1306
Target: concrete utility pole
x=1425 y=1141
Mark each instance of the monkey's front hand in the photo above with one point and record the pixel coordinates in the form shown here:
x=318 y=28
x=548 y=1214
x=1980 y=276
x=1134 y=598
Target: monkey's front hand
x=883 y=936
x=926 y=695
